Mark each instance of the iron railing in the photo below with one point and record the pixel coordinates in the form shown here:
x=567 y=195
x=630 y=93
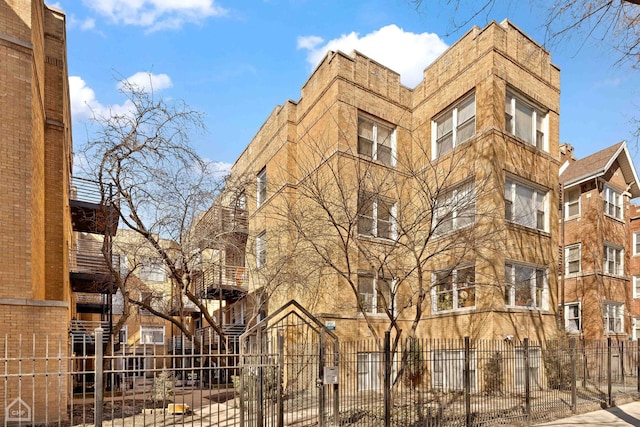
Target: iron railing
x=227 y=276
x=89 y=191
x=425 y=382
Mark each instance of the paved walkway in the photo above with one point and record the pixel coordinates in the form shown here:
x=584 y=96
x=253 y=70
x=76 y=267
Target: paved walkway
x=623 y=415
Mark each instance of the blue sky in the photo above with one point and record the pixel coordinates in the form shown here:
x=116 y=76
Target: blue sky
x=235 y=60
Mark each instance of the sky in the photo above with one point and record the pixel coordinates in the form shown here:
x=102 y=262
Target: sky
x=236 y=60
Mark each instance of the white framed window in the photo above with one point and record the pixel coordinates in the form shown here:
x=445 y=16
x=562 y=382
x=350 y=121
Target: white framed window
x=151 y=334
x=613 y=260
x=376 y=141
x=526 y=121
x=240 y=202
x=454 y=126
x=635 y=330
x=573 y=317
x=123 y=335
x=453 y=290
x=455 y=209
x=636 y=286
x=261 y=249
x=636 y=243
x=448 y=369
x=572 y=257
x=525 y=205
x=612 y=202
x=535 y=357
x=376 y=216
x=526 y=286
x=375 y=293
x=572 y=203
x=151 y=269
x=613 y=316
x=261 y=186
x=369 y=371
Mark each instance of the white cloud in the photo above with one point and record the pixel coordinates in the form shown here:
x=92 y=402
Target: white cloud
x=146 y=82
x=88 y=24
x=84 y=104
x=404 y=52
x=156 y=14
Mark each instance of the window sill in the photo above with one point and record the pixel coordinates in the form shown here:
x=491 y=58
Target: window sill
x=529 y=145
x=385 y=240
x=530 y=230
x=455 y=310
x=361 y=156
x=620 y=220
x=525 y=308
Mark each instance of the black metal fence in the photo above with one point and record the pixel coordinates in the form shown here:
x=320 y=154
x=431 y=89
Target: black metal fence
x=480 y=383
x=423 y=383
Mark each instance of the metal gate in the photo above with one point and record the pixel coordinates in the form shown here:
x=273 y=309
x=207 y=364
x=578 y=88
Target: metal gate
x=289 y=365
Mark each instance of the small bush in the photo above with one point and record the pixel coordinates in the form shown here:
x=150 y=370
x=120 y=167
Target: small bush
x=494 y=374
x=162 y=388
x=251 y=383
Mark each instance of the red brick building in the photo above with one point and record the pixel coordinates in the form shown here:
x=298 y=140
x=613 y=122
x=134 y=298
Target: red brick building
x=596 y=281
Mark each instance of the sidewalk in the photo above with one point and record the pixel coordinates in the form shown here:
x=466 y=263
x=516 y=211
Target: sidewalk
x=623 y=415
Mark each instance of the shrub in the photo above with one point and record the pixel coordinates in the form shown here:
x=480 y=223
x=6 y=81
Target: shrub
x=494 y=374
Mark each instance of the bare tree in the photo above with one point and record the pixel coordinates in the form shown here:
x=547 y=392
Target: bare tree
x=616 y=22
x=143 y=155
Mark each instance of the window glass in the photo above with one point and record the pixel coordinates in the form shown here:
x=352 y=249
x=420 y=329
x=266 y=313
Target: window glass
x=454 y=126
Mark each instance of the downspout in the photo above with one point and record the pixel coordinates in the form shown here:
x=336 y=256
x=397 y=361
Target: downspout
x=562 y=260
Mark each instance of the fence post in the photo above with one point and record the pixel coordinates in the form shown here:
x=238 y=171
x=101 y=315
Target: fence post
x=638 y=364
x=574 y=379
x=98 y=386
x=467 y=380
x=280 y=377
x=320 y=380
x=387 y=378
x=527 y=382
x=609 y=385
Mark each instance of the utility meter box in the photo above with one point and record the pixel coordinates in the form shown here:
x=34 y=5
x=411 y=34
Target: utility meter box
x=330 y=375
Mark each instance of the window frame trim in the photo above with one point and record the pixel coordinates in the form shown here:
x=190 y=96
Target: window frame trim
x=453 y=108
x=546 y=293
x=567 y=249
x=537 y=108
x=374 y=149
x=454 y=290
x=516 y=180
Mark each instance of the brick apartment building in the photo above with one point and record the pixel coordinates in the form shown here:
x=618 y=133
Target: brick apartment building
x=634 y=269
x=595 y=286
x=435 y=205
x=53 y=277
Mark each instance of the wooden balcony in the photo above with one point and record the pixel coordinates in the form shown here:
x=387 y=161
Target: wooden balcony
x=223 y=226
x=88 y=268
x=92 y=303
x=227 y=282
x=93 y=210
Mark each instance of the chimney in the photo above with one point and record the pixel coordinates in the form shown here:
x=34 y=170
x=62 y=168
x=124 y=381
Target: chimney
x=566 y=153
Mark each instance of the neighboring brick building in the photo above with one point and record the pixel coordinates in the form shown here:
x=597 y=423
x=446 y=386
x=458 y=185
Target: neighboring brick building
x=36 y=152
x=596 y=284
x=342 y=186
x=634 y=269
x=52 y=274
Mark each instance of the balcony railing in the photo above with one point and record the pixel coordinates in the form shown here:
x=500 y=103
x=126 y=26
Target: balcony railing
x=230 y=280
x=85 y=190
x=94 y=208
x=83 y=331
x=179 y=343
x=221 y=225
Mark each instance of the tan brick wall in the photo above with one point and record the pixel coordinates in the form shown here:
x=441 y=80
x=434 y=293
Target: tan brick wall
x=316 y=137
x=35 y=340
